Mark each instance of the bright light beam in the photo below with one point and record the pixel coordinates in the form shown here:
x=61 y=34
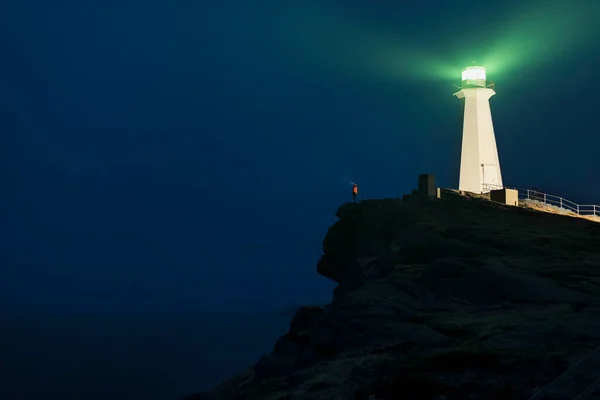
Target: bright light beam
x=348 y=43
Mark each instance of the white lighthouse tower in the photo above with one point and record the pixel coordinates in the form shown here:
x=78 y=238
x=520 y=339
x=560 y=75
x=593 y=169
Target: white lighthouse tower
x=479 y=163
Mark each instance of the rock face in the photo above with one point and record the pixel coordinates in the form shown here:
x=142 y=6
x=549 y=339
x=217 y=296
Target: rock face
x=457 y=298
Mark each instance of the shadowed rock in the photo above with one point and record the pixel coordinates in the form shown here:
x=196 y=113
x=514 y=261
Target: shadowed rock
x=457 y=298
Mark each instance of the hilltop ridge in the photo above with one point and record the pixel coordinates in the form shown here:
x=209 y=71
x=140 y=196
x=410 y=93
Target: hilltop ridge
x=454 y=298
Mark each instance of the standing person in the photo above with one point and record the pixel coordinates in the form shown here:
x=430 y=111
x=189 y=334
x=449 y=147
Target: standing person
x=354 y=192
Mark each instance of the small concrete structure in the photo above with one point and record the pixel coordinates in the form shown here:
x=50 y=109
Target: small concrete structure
x=505 y=196
x=427 y=189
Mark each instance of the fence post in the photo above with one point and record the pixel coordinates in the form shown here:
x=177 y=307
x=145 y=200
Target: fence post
x=578 y=209
x=527 y=194
x=544 y=198
x=561 y=202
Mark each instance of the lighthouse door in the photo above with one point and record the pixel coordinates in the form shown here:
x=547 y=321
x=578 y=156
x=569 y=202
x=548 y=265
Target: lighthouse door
x=490 y=176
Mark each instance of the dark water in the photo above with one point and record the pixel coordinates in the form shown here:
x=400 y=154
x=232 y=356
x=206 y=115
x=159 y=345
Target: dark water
x=151 y=357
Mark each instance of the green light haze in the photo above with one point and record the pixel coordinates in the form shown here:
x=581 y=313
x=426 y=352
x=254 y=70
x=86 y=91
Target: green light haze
x=526 y=36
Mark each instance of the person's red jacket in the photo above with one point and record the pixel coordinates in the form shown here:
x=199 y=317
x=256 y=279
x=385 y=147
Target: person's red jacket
x=355 y=189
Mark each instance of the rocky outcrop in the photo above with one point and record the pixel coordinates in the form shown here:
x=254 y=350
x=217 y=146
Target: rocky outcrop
x=457 y=298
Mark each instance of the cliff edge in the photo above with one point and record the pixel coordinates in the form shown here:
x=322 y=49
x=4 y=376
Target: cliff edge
x=454 y=298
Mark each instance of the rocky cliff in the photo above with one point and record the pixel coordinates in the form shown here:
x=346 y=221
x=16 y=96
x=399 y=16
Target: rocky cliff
x=456 y=298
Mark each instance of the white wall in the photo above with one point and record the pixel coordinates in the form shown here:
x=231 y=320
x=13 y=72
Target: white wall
x=478 y=143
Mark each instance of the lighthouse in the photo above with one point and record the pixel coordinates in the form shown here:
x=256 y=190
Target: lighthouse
x=479 y=163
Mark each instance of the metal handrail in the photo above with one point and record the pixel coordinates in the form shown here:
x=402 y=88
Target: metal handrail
x=550 y=199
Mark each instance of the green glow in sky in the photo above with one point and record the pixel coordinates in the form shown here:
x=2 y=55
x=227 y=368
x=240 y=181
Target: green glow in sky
x=542 y=32
x=528 y=37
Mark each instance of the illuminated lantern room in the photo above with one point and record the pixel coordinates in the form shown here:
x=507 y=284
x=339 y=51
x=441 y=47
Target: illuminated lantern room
x=473 y=77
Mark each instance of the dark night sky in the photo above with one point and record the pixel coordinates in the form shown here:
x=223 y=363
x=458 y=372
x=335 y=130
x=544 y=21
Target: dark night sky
x=190 y=155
